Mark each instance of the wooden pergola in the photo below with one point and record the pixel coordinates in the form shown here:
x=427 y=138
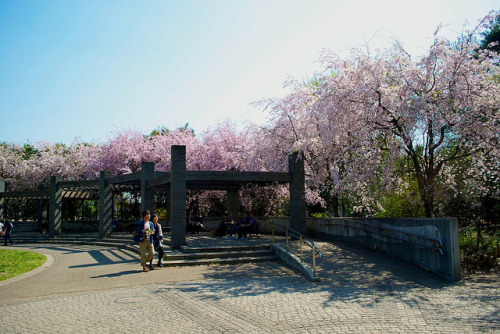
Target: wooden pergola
x=174 y=183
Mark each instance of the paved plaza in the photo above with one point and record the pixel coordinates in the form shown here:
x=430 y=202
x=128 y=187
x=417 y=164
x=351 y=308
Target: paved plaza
x=97 y=289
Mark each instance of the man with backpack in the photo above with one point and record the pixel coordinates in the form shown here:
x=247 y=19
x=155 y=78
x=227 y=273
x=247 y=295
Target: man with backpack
x=144 y=236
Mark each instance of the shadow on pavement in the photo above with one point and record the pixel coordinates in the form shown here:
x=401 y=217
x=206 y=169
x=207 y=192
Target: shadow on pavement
x=118 y=274
x=103 y=260
x=348 y=273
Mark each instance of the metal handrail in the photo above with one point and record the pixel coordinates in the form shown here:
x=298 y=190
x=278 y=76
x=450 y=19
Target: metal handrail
x=303 y=240
x=437 y=242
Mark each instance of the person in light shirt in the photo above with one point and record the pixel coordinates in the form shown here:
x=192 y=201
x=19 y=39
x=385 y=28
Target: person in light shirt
x=157 y=241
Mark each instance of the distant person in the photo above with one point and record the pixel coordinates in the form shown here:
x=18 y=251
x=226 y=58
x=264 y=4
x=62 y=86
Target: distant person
x=146 y=230
x=114 y=224
x=189 y=225
x=228 y=222
x=1 y=229
x=247 y=227
x=198 y=223
x=229 y=218
x=157 y=241
x=236 y=227
x=221 y=229
x=7 y=230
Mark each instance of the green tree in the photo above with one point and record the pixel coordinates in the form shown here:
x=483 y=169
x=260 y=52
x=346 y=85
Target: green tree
x=492 y=35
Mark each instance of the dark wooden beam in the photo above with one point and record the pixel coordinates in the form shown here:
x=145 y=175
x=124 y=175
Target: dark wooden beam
x=240 y=177
x=127 y=178
x=158 y=181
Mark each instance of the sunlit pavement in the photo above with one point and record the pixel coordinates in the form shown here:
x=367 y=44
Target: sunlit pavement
x=101 y=289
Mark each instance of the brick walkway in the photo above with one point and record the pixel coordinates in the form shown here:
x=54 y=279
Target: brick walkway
x=100 y=289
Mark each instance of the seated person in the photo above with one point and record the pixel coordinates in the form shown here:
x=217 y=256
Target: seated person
x=224 y=225
x=114 y=224
x=235 y=228
x=189 y=225
x=250 y=226
x=194 y=224
x=221 y=229
x=198 y=223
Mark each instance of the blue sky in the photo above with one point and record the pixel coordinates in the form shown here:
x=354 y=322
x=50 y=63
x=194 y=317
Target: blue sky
x=83 y=69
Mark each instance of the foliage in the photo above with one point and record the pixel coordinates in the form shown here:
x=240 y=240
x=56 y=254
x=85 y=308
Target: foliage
x=492 y=34
x=14 y=262
x=376 y=110
x=86 y=210
x=265 y=201
x=323 y=214
x=402 y=203
x=479 y=247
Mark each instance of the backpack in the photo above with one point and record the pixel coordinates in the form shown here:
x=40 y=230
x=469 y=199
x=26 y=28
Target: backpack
x=137 y=236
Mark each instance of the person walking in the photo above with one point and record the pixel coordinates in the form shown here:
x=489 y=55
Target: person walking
x=146 y=230
x=157 y=241
x=7 y=230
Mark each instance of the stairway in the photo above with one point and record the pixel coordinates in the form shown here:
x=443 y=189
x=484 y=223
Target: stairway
x=189 y=256
x=209 y=251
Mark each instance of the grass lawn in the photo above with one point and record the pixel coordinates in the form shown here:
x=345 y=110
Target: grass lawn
x=15 y=262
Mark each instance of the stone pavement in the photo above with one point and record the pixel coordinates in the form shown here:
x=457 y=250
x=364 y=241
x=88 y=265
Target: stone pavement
x=101 y=289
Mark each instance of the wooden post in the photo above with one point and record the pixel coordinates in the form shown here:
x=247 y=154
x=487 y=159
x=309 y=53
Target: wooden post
x=297 y=194
x=178 y=196
x=55 y=218
x=105 y=205
x=40 y=208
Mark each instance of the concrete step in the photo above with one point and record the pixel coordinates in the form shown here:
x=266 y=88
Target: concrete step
x=191 y=256
x=241 y=248
x=208 y=261
x=225 y=254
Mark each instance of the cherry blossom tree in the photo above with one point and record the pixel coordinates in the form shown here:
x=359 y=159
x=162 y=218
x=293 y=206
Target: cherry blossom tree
x=27 y=171
x=372 y=112
x=366 y=125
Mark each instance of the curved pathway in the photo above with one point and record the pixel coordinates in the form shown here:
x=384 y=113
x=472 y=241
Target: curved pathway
x=101 y=289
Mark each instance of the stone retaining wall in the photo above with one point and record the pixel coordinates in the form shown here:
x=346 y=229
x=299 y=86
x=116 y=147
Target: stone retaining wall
x=430 y=243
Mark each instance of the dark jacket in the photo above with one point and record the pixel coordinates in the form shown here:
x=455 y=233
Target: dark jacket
x=141 y=228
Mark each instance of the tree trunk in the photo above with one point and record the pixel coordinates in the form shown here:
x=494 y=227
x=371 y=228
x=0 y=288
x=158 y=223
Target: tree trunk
x=428 y=208
x=335 y=205
x=425 y=188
